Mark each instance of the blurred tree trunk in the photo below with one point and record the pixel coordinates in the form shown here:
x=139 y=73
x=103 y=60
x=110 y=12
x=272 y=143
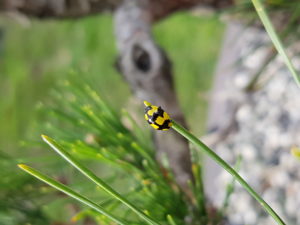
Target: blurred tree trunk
x=148 y=71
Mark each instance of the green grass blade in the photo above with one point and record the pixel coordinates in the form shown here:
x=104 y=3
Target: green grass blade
x=227 y=167
x=274 y=37
x=170 y=220
x=63 y=188
x=198 y=186
x=230 y=187
x=90 y=175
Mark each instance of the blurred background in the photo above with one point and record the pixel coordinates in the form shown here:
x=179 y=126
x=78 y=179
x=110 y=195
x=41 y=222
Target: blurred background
x=36 y=55
x=233 y=91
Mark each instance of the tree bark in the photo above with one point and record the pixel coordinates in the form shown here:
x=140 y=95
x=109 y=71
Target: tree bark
x=149 y=72
x=80 y=8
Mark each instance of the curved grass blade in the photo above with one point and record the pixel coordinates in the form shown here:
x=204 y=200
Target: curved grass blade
x=227 y=167
x=275 y=39
x=63 y=188
x=90 y=175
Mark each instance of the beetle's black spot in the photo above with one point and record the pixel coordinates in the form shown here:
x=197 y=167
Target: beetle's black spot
x=166 y=124
x=154 y=117
x=160 y=111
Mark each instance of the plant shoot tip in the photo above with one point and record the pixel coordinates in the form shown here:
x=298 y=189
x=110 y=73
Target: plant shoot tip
x=23 y=166
x=44 y=137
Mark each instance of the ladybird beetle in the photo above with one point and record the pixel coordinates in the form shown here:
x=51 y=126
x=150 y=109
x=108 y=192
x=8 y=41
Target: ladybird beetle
x=157 y=117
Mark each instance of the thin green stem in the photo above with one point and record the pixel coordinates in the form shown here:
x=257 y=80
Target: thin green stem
x=230 y=186
x=229 y=191
x=198 y=187
x=274 y=37
x=227 y=167
x=89 y=174
x=252 y=85
x=63 y=188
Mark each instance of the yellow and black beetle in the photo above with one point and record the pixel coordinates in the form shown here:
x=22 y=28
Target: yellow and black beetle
x=157 y=117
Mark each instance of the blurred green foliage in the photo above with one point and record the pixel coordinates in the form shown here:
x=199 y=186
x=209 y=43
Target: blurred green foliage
x=35 y=55
x=94 y=133
x=193 y=44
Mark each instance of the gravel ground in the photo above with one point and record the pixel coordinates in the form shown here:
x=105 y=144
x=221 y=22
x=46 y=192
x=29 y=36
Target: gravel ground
x=267 y=127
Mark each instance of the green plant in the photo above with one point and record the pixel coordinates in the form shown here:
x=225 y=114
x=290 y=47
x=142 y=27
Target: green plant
x=161 y=116
x=68 y=191
x=228 y=168
x=24 y=205
x=30 y=72
x=275 y=38
x=97 y=133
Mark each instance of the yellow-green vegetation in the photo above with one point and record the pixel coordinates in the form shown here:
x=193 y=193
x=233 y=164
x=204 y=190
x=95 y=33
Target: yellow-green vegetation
x=37 y=55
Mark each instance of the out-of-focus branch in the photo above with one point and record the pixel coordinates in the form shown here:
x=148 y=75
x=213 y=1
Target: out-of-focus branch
x=80 y=8
x=149 y=73
x=58 y=8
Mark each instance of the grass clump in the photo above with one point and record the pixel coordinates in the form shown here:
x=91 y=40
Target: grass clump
x=94 y=134
x=260 y=9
